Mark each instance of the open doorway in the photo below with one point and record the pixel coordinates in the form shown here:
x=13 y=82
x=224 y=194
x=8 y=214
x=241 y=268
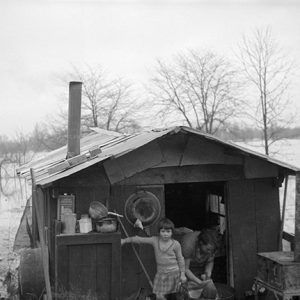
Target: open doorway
x=197 y=206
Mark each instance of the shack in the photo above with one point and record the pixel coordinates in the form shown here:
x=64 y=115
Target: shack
x=195 y=179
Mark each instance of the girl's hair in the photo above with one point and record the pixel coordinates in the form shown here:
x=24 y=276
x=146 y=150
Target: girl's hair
x=166 y=223
x=208 y=237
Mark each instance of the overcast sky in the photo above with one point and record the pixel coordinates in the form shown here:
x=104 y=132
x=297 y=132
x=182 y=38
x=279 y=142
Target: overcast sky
x=41 y=39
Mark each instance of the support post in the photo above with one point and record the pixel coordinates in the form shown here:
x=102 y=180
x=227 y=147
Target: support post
x=44 y=247
x=283 y=213
x=297 y=220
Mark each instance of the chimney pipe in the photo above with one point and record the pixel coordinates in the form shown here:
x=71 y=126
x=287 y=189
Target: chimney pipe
x=74 y=118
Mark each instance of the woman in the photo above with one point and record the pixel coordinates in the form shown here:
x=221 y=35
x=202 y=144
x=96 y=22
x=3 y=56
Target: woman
x=198 y=249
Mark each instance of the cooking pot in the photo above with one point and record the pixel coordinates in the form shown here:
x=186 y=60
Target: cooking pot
x=106 y=225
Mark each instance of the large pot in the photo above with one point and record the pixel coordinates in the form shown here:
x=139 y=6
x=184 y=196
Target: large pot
x=106 y=225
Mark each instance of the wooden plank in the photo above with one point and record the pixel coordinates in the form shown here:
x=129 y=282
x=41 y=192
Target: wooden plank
x=91 y=177
x=286 y=179
x=104 y=273
x=76 y=272
x=54 y=230
x=88 y=268
x=202 y=151
x=116 y=270
x=113 y=170
x=297 y=219
x=203 y=173
x=132 y=274
x=61 y=271
x=133 y=162
x=267 y=209
x=242 y=231
x=258 y=168
x=172 y=148
x=84 y=239
x=38 y=198
x=87 y=186
x=88 y=265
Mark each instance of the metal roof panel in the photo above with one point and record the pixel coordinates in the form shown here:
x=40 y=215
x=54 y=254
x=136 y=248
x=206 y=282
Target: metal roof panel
x=115 y=146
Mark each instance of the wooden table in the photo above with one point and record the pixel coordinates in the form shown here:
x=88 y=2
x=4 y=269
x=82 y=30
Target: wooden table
x=285 y=294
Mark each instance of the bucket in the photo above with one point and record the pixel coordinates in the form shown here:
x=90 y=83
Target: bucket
x=31 y=276
x=224 y=292
x=69 y=223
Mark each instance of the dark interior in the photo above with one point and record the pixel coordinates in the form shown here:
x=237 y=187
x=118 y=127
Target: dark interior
x=197 y=206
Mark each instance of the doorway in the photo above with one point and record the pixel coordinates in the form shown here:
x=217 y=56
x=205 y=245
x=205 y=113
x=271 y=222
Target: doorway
x=197 y=206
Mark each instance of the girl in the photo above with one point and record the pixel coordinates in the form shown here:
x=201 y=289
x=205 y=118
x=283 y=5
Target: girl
x=169 y=260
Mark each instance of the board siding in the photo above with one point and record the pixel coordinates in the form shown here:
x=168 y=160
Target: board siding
x=185 y=174
x=88 y=265
x=242 y=230
x=133 y=277
x=253 y=225
x=267 y=215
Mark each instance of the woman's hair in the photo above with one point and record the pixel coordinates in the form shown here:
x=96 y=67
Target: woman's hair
x=166 y=223
x=208 y=237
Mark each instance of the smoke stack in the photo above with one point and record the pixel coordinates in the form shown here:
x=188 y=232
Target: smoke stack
x=74 y=119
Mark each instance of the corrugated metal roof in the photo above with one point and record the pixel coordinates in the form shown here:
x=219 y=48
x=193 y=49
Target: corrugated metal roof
x=110 y=146
x=54 y=165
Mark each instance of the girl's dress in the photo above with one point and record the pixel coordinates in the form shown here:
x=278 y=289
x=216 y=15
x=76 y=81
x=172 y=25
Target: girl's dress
x=170 y=263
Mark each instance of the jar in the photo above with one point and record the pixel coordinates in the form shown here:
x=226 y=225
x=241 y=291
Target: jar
x=85 y=224
x=68 y=223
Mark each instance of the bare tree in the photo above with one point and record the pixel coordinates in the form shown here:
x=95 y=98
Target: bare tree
x=107 y=103
x=268 y=73
x=13 y=153
x=50 y=135
x=197 y=89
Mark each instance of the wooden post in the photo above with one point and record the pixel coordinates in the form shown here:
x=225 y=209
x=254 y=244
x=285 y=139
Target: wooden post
x=283 y=213
x=44 y=247
x=297 y=220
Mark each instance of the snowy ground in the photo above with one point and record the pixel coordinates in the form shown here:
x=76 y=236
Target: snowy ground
x=13 y=197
